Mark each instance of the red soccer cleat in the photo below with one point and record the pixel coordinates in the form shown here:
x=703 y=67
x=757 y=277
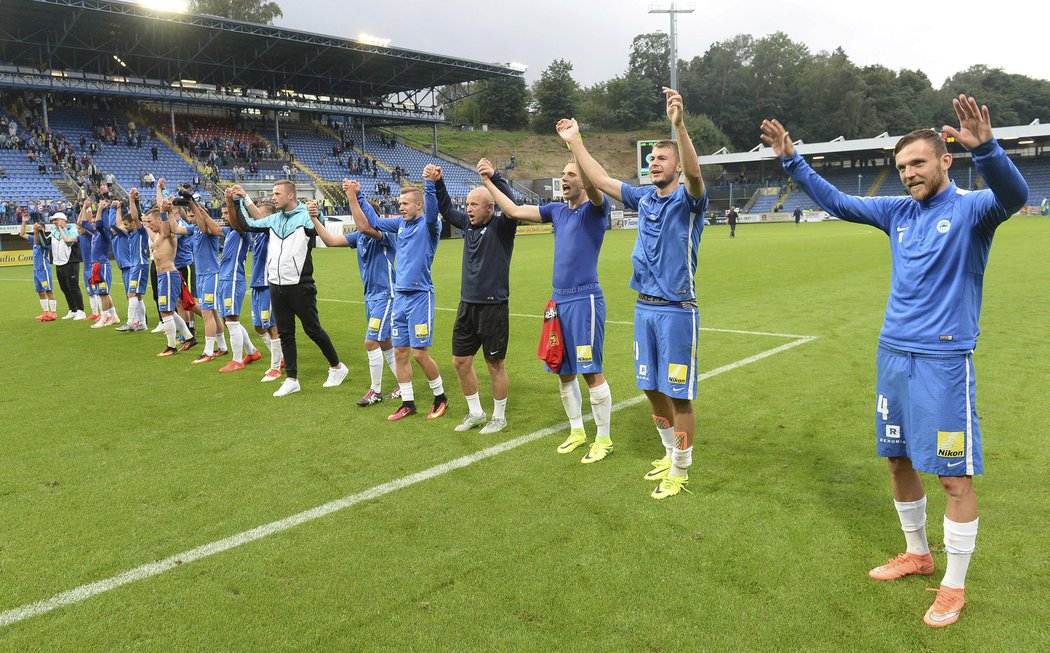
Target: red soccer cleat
x=232 y=366
x=252 y=357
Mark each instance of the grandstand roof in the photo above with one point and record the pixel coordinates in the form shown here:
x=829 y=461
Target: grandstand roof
x=127 y=43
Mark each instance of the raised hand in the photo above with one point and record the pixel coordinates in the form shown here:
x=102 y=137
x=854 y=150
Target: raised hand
x=568 y=129
x=485 y=169
x=162 y=183
x=134 y=194
x=430 y=172
x=351 y=187
x=775 y=136
x=238 y=191
x=166 y=205
x=675 y=106
x=975 y=125
x=311 y=208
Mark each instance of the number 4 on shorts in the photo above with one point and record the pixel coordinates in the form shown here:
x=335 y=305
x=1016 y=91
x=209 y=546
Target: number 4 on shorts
x=882 y=406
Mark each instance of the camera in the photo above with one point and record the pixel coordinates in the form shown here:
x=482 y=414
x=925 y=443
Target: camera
x=185 y=196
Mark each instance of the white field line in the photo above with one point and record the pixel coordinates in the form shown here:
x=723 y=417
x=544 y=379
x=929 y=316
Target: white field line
x=89 y=590
x=540 y=317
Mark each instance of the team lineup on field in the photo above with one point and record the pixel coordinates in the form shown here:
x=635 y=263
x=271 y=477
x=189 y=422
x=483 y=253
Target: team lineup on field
x=939 y=237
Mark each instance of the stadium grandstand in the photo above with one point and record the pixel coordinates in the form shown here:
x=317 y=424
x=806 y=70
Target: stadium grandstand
x=100 y=95
x=754 y=181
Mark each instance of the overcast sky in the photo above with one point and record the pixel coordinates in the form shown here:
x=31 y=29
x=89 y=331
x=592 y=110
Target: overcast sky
x=939 y=38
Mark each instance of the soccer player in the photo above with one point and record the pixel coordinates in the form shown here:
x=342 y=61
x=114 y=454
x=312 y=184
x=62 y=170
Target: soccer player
x=262 y=312
x=131 y=249
x=579 y=229
x=205 y=233
x=42 y=278
x=925 y=415
x=84 y=238
x=101 y=230
x=666 y=316
x=418 y=233
x=232 y=288
x=159 y=220
x=483 y=317
x=65 y=254
x=290 y=269
x=375 y=260
x=188 y=308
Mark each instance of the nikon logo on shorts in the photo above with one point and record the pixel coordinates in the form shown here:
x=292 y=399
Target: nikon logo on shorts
x=373 y=324
x=583 y=354
x=228 y=302
x=134 y=283
x=677 y=373
x=951 y=444
x=209 y=297
x=265 y=316
x=163 y=299
x=422 y=330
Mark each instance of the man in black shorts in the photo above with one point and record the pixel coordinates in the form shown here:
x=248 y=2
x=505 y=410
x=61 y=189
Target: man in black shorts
x=483 y=315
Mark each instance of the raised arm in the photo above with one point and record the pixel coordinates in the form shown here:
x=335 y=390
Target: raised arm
x=165 y=224
x=524 y=213
x=22 y=228
x=694 y=182
x=998 y=171
x=118 y=221
x=204 y=221
x=322 y=232
x=358 y=205
x=570 y=133
x=233 y=210
x=430 y=202
x=596 y=197
x=161 y=185
x=445 y=206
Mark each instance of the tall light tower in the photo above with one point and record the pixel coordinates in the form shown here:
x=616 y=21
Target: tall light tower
x=673 y=8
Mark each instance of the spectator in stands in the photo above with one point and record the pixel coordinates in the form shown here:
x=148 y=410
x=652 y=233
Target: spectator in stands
x=925 y=416
x=154 y=152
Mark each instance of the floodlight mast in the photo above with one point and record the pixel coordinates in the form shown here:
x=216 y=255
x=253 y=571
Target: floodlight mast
x=673 y=8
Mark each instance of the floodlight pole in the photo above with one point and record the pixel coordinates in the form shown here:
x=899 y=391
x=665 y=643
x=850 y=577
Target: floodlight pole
x=673 y=8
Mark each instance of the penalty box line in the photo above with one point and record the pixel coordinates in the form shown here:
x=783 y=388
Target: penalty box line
x=540 y=317
x=149 y=570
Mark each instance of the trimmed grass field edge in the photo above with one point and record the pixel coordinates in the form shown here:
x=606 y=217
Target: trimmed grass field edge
x=142 y=572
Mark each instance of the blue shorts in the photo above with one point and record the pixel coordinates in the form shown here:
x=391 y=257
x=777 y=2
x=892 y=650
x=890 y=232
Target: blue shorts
x=208 y=291
x=582 y=318
x=136 y=279
x=262 y=314
x=87 y=280
x=413 y=319
x=925 y=411
x=665 y=344
x=105 y=278
x=42 y=280
x=379 y=316
x=231 y=296
x=169 y=291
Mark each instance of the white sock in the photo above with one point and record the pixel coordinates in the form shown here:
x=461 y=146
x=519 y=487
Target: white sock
x=407 y=392
x=236 y=343
x=169 y=329
x=437 y=386
x=681 y=459
x=180 y=324
x=666 y=431
x=113 y=314
x=601 y=407
x=246 y=339
x=389 y=356
x=52 y=305
x=43 y=305
x=266 y=340
x=209 y=345
x=499 y=408
x=220 y=340
x=473 y=404
x=572 y=401
x=142 y=312
x=375 y=369
x=93 y=301
x=913 y=522
x=959 y=542
x=276 y=353
x=133 y=309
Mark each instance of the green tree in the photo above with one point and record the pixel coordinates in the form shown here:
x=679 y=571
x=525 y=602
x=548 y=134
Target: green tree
x=252 y=11
x=718 y=84
x=504 y=102
x=556 y=95
x=648 y=63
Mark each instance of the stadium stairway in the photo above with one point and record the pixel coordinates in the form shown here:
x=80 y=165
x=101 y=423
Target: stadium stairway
x=874 y=189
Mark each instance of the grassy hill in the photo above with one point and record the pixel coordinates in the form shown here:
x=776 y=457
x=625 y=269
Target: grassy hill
x=538 y=155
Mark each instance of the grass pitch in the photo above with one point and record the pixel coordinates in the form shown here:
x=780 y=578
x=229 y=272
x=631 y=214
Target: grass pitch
x=112 y=459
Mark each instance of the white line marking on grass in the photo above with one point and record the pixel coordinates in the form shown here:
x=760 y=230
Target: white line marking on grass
x=89 y=590
x=540 y=317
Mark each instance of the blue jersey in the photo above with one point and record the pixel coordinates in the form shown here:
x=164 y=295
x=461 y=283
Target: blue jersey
x=41 y=252
x=102 y=235
x=139 y=247
x=669 y=227
x=234 y=251
x=205 y=250
x=939 y=248
x=122 y=249
x=85 y=245
x=375 y=259
x=183 y=248
x=260 y=242
x=578 y=236
x=416 y=243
